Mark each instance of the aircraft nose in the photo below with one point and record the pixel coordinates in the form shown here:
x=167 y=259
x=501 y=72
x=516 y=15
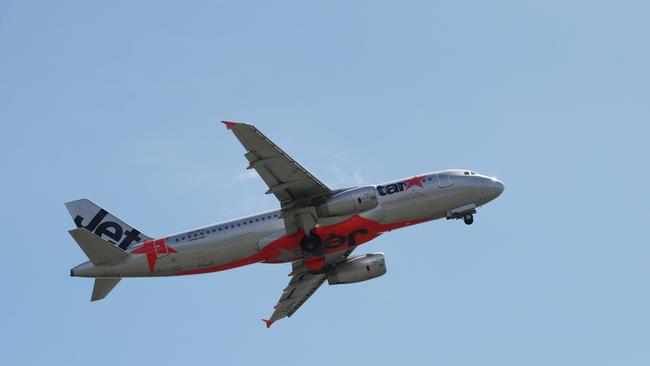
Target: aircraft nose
x=497 y=187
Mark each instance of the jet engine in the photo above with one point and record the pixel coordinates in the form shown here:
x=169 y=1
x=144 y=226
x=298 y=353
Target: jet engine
x=357 y=269
x=349 y=202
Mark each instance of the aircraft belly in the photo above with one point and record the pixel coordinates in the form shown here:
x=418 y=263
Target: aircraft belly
x=219 y=253
x=192 y=256
x=404 y=210
x=133 y=266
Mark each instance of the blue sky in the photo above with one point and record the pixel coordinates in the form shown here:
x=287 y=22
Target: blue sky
x=119 y=102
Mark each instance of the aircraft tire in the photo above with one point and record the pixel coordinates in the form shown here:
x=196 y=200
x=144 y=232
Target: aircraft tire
x=312 y=245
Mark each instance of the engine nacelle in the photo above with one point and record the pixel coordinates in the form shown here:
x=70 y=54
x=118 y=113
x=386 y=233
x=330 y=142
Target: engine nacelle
x=349 y=202
x=357 y=269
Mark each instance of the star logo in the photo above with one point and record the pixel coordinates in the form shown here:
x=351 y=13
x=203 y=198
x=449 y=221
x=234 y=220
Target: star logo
x=287 y=254
x=154 y=249
x=415 y=181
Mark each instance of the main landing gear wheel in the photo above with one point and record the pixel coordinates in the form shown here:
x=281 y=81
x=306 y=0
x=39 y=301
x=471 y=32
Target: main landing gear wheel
x=312 y=246
x=309 y=246
x=468 y=218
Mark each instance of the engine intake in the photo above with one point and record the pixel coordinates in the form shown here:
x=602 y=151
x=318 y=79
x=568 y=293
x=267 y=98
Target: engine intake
x=349 y=202
x=357 y=269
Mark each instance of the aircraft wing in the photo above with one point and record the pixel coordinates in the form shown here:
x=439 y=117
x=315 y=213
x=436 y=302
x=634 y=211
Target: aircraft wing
x=286 y=179
x=303 y=284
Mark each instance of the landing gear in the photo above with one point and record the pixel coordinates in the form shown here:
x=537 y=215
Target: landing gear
x=465 y=212
x=313 y=252
x=312 y=246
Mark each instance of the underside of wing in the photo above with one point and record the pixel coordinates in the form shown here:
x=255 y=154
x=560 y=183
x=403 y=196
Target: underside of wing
x=303 y=284
x=299 y=290
x=286 y=179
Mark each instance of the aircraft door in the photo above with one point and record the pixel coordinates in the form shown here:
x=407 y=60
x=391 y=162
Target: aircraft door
x=443 y=180
x=161 y=249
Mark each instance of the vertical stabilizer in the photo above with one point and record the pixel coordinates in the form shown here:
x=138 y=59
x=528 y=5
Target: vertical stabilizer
x=103 y=224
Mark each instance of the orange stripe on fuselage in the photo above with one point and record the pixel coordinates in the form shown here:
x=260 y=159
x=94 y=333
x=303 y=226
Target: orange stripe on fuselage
x=354 y=231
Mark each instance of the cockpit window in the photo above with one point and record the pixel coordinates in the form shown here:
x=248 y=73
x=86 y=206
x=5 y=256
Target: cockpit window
x=466 y=173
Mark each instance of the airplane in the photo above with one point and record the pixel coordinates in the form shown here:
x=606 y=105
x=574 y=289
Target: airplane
x=316 y=228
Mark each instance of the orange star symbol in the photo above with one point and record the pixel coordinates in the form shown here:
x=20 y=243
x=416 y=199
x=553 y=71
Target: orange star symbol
x=154 y=248
x=415 y=181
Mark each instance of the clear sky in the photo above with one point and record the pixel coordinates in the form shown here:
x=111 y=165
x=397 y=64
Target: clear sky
x=119 y=102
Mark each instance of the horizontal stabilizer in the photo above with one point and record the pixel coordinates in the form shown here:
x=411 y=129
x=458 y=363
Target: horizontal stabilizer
x=102 y=287
x=97 y=249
